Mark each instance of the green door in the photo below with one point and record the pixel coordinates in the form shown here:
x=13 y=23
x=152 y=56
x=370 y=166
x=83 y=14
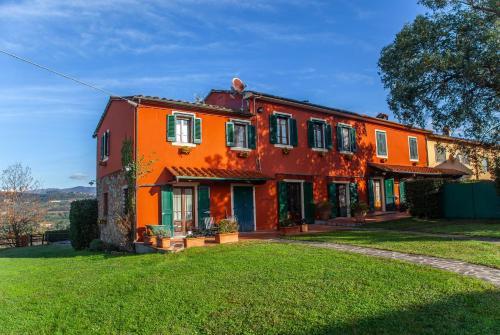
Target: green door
x=203 y=205
x=371 y=195
x=390 y=204
x=243 y=207
x=166 y=208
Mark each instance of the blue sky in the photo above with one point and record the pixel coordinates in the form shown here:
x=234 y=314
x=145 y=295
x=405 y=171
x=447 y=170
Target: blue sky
x=322 y=51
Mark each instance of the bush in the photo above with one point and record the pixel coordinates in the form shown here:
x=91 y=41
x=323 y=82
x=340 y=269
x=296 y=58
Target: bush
x=423 y=197
x=56 y=235
x=227 y=226
x=97 y=245
x=83 y=223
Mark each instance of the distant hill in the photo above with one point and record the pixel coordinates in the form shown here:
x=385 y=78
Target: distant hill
x=76 y=190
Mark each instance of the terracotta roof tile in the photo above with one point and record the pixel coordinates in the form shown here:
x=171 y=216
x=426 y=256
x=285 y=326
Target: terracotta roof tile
x=422 y=170
x=186 y=173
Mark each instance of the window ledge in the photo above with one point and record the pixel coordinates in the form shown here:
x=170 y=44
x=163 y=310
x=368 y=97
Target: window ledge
x=105 y=159
x=414 y=160
x=320 y=149
x=378 y=156
x=179 y=144
x=241 y=149
x=350 y=153
x=284 y=146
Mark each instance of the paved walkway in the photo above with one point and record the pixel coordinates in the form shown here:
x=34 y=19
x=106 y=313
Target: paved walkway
x=478 y=271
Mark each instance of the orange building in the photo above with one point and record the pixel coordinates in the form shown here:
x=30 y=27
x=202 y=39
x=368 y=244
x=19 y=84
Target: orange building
x=254 y=156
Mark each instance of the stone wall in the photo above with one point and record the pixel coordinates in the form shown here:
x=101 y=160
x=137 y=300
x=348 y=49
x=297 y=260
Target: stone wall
x=114 y=228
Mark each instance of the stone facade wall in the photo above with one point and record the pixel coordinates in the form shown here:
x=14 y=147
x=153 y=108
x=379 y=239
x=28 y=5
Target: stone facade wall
x=113 y=227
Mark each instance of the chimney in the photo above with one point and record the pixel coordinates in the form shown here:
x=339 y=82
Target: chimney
x=446 y=131
x=382 y=116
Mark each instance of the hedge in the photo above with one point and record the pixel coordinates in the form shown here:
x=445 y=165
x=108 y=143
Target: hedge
x=57 y=235
x=83 y=223
x=424 y=197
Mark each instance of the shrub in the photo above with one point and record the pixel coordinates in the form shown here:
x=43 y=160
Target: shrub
x=323 y=210
x=56 y=235
x=83 y=223
x=97 y=245
x=359 y=208
x=423 y=197
x=227 y=226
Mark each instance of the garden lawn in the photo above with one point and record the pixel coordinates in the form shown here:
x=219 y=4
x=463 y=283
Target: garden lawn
x=482 y=228
x=260 y=288
x=485 y=253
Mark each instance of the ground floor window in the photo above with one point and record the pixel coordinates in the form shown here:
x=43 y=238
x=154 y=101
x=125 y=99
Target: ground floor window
x=294 y=200
x=183 y=209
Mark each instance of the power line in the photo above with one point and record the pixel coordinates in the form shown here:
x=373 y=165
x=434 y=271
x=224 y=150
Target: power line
x=65 y=76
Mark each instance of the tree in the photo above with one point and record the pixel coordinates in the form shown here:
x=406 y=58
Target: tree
x=445 y=68
x=20 y=208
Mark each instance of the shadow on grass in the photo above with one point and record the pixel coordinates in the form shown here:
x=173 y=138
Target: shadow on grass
x=54 y=251
x=473 y=313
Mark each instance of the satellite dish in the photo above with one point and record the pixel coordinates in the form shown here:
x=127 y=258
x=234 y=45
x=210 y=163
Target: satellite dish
x=238 y=85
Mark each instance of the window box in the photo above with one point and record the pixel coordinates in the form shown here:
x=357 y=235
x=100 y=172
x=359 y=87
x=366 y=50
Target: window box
x=286 y=151
x=243 y=154
x=222 y=238
x=191 y=242
x=185 y=150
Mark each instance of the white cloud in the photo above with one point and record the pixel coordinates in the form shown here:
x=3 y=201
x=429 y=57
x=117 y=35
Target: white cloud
x=78 y=176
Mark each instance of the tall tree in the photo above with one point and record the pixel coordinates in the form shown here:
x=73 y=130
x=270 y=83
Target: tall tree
x=444 y=68
x=20 y=208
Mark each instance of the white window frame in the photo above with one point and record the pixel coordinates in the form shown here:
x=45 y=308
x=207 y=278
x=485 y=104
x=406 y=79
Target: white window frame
x=247 y=123
x=194 y=185
x=345 y=125
x=386 y=143
x=192 y=116
x=279 y=145
x=437 y=147
x=409 y=148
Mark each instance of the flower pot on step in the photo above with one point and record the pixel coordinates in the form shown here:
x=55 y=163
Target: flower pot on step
x=150 y=240
x=289 y=230
x=191 y=242
x=222 y=238
x=304 y=228
x=163 y=242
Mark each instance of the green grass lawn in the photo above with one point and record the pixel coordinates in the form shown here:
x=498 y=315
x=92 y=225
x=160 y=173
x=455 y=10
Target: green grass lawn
x=485 y=253
x=482 y=228
x=260 y=288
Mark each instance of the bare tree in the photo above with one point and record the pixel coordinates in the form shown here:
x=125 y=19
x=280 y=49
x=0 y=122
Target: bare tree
x=20 y=207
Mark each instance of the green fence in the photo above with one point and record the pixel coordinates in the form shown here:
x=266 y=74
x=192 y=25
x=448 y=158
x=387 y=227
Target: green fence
x=471 y=201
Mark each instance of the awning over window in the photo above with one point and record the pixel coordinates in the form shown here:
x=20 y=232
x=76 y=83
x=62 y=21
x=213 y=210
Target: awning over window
x=411 y=170
x=211 y=174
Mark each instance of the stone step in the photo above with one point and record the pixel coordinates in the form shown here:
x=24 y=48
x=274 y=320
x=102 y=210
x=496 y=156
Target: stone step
x=141 y=248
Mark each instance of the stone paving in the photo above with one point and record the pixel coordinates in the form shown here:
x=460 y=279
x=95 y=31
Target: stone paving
x=478 y=271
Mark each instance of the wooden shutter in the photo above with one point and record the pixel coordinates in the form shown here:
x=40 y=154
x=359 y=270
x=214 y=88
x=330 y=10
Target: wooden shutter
x=332 y=198
x=251 y=136
x=197 y=131
x=273 y=125
x=166 y=208
x=340 y=141
x=171 y=128
x=328 y=137
x=352 y=134
x=203 y=205
x=353 y=193
x=282 y=201
x=371 y=195
x=390 y=204
x=310 y=134
x=293 y=132
x=230 y=134
x=402 y=193
x=308 y=202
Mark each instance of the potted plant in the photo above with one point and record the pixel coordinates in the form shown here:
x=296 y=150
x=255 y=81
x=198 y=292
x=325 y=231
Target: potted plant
x=359 y=209
x=149 y=238
x=194 y=240
x=286 y=151
x=288 y=226
x=324 y=210
x=163 y=237
x=304 y=227
x=227 y=231
x=243 y=154
x=185 y=150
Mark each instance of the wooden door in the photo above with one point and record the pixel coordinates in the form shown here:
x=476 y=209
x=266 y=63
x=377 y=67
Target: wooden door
x=183 y=210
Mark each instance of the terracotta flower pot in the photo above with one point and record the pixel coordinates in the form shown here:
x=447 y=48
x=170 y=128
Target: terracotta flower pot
x=194 y=242
x=304 y=228
x=163 y=242
x=227 y=238
x=150 y=240
x=290 y=230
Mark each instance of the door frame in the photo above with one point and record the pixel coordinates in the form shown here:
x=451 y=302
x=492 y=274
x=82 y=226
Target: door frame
x=194 y=185
x=347 y=194
x=254 y=203
x=301 y=182
x=382 y=189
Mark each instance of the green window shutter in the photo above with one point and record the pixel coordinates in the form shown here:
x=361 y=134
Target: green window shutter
x=340 y=144
x=203 y=205
x=332 y=198
x=282 y=201
x=229 y=134
x=166 y=208
x=371 y=195
x=197 y=131
x=273 y=125
x=293 y=132
x=389 y=195
x=310 y=134
x=171 y=128
x=251 y=136
x=308 y=202
x=328 y=137
x=353 y=193
x=352 y=133
x=402 y=192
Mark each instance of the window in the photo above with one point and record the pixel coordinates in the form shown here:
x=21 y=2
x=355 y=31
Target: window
x=125 y=200
x=484 y=164
x=105 y=204
x=346 y=138
x=183 y=130
x=412 y=143
x=440 y=153
x=240 y=135
x=381 y=138
x=105 y=145
x=463 y=158
x=282 y=130
x=319 y=135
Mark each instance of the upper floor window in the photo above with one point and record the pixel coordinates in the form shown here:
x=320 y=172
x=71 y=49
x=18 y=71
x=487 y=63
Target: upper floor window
x=440 y=153
x=240 y=134
x=463 y=158
x=319 y=134
x=381 y=141
x=105 y=145
x=283 y=130
x=346 y=138
x=183 y=128
x=412 y=143
x=484 y=164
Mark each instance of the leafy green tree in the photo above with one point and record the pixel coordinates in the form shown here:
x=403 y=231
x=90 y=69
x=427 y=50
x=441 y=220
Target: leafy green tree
x=444 y=69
